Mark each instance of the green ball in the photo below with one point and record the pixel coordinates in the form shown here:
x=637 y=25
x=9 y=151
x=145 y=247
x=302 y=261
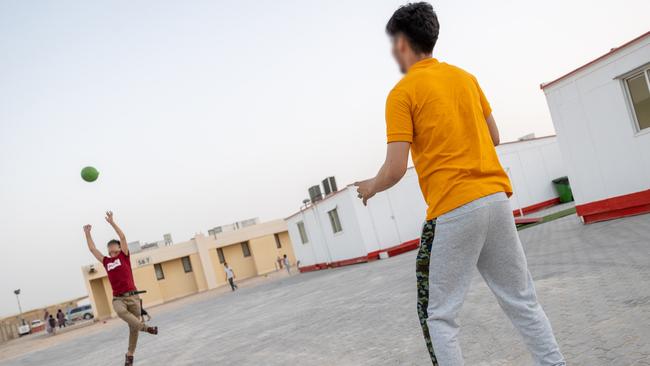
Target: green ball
x=89 y=174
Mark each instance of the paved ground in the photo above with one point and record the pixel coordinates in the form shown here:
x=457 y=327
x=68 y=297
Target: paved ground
x=594 y=282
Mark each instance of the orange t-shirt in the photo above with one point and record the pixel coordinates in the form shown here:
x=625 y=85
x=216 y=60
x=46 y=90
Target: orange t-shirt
x=441 y=110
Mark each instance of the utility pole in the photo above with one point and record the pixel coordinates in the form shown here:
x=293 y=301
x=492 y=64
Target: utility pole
x=20 y=309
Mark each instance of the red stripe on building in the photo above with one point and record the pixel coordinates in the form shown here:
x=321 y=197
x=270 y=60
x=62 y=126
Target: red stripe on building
x=615 y=207
x=347 y=262
x=537 y=207
x=392 y=251
x=313 y=267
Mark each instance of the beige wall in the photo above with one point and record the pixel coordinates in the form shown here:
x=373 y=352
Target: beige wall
x=243 y=267
x=108 y=293
x=287 y=248
x=199 y=274
x=102 y=306
x=265 y=254
x=145 y=280
x=176 y=283
x=218 y=267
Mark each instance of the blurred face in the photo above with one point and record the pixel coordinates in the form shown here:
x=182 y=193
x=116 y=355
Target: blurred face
x=400 y=49
x=114 y=250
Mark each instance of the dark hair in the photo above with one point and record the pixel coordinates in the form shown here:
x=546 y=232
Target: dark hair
x=114 y=241
x=418 y=23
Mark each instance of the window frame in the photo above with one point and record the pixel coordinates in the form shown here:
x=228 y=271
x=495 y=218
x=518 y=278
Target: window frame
x=158 y=267
x=335 y=221
x=186 y=260
x=641 y=71
x=221 y=256
x=302 y=231
x=245 y=249
x=278 y=243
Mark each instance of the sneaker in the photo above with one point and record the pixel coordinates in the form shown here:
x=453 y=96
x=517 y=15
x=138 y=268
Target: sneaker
x=152 y=330
x=128 y=361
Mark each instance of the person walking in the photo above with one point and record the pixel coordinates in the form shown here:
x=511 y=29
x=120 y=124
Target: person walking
x=46 y=320
x=287 y=264
x=51 y=325
x=60 y=317
x=439 y=113
x=230 y=276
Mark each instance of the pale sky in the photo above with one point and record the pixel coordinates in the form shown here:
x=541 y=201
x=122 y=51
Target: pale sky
x=200 y=113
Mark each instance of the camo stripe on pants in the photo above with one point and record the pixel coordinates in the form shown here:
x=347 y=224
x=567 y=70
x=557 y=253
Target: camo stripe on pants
x=422 y=277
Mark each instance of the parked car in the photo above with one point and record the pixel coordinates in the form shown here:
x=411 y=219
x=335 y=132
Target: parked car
x=84 y=312
x=37 y=325
x=23 y=330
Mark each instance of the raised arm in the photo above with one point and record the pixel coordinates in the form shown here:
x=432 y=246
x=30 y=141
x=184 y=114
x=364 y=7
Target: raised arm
x=91 y=244
x=123 y=244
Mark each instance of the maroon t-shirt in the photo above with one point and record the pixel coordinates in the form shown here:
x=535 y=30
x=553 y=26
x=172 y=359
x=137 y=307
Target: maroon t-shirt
x=119 y=273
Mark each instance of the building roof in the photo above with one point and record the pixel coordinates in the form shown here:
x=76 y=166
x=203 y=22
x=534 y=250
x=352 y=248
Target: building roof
x=526 y=140
x=182 y=249
x=250 y=232
x=312 y=205
x=611 y=52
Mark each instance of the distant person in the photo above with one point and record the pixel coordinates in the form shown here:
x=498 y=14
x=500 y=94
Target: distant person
x=439 y=113
x=46 y=320
x=230 y=275
x=51 y=322
x=60 y=317
x=126 y=301
x=287 y=265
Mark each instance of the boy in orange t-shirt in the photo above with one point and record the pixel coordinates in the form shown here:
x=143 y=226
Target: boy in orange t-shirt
x=439 y=113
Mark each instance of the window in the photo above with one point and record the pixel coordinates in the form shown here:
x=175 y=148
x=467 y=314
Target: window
x=160 y=275
x=638 y=89
x=222 y=259
x=278 y=243
x=303 y=232
x=187 y=264
x=245 y=249
x=334 y=221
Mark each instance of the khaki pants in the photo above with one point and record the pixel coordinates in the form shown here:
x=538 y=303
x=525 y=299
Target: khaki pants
x=128 y=309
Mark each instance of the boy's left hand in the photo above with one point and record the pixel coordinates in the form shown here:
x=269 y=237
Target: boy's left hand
x=109 y=217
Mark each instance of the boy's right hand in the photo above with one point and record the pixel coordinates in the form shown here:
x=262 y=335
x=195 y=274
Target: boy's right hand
x=87 y=229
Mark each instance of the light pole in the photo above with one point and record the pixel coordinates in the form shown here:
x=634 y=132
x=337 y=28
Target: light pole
x=20 y=309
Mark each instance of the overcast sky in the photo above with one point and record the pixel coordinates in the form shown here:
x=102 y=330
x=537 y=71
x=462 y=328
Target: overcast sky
x=200 y=113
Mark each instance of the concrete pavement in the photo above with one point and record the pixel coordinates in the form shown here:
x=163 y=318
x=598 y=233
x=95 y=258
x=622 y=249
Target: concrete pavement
x=593 y=281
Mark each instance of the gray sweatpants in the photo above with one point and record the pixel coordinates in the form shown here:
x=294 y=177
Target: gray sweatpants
x=479 y=234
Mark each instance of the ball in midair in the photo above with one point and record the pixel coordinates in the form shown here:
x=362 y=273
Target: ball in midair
x=89 y=174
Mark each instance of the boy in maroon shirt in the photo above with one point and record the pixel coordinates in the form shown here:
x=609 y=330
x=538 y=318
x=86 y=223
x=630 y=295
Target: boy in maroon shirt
x=126 y=301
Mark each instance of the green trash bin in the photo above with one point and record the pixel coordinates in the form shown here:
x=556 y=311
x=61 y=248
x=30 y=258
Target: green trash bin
x=563 y=189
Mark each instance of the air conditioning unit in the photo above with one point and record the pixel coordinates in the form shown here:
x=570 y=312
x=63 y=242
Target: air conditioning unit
x=315 y=194
x=329 y=185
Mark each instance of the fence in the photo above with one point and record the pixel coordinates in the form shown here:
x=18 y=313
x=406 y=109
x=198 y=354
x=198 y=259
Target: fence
x=8 y=331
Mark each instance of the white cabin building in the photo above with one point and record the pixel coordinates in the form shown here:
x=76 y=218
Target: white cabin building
x=601 y=112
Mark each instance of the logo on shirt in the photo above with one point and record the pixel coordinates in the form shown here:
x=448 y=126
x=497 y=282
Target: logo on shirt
x=113 y=265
